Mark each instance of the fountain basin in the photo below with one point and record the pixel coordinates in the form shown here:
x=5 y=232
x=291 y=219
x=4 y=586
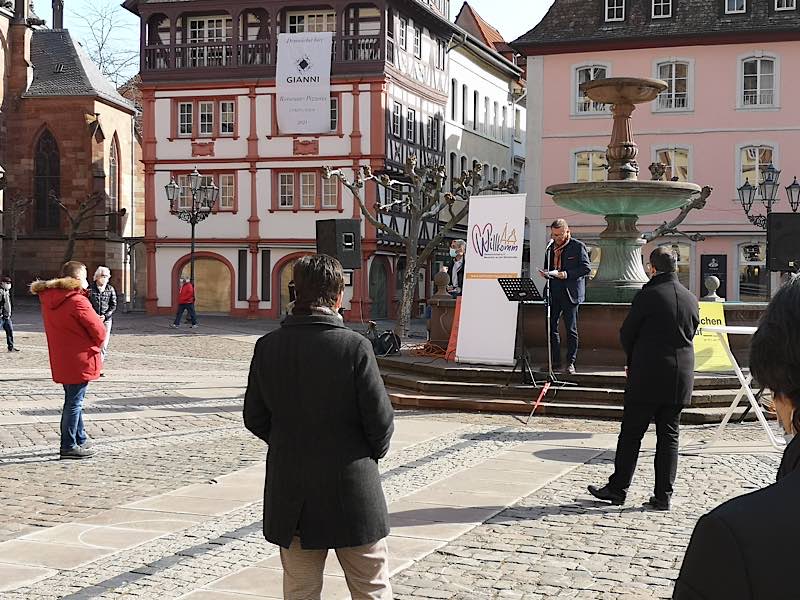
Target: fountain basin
x=623 y=90
x=622 y=197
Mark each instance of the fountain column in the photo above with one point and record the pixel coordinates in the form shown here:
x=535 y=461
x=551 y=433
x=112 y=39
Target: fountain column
x=620 y=274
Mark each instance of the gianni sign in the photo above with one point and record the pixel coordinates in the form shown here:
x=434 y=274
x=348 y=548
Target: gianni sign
x=489 y=241
x=303 y=82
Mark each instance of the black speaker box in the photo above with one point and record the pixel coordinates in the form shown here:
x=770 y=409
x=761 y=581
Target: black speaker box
x=340 y=238
x=783 y=242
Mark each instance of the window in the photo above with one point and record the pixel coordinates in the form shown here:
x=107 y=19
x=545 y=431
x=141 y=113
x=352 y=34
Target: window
x=485 y=127
x=441 y=54
x=615 y=10
x=463 y=165
x=682 y=253
x=403 y=33
x=662 y=9
x=286 y=190
x=334 y=113
x=494 y=175
x=464 y=100
x=417 y=42
x=185 y=198
x=676 y=76
x=504 y=124
x=315 y=21
x=495 y=132
x=735 y=6
x=227 y=117
x=758 y=82
x=518 y=124
x=390 y=23
x=452 y=174
x=227 y=191
x=475 y=104
x=453 y=95
x=584 y=74
x=308 y=190
x=590 y=165
x=785 y=4
x=753 y=274
x=397 y=116
x=433 y=132
x=208 y=37
x=113 y=188
x=47 y=181
x=677 y=162
x=411 y=125
x=185 y=118
x=754 y=161
x=503 y=175
x=330 y=193
x=206 y=118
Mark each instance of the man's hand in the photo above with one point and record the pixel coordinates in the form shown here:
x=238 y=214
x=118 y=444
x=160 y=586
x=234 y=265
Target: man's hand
x=542 y=273
x=626 y=372
x=562 y=275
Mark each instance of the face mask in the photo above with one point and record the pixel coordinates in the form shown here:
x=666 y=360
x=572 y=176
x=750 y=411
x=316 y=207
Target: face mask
x=5 y=286
x=453 y=253
x=85 y=284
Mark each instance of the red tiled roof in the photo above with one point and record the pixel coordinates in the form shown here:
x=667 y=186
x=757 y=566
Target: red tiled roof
x=491 y=37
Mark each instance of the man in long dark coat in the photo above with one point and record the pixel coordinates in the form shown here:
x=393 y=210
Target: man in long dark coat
x=657 y=339
x=316 y=396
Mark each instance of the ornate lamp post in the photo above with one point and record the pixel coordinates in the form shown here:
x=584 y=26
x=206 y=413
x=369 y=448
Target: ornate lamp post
x=203 y=199
x=768 y=190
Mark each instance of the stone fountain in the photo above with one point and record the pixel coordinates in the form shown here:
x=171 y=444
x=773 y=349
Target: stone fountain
x=622 y=199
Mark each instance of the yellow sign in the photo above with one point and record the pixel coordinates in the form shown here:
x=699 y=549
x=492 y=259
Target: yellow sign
x=709 y=349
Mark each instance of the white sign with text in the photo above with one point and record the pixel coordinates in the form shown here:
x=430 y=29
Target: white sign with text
x=303 y=82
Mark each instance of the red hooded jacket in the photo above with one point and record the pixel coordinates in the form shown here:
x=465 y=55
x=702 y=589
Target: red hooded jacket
x=186 y=294
x=74 y=331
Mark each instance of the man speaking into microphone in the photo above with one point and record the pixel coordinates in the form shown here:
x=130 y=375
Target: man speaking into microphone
x=566 y=266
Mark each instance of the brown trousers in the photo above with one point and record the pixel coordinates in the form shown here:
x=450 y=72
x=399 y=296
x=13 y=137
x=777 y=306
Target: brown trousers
x=366 y=570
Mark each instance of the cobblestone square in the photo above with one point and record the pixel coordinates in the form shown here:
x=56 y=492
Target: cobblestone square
x=482 y=506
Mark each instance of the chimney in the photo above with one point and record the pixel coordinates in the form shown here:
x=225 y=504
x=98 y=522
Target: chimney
x=21 y=11
x=58 y=14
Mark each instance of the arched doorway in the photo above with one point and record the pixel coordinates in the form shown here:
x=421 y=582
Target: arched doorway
x=379 y=289
x=285 y=279
x=212 y=283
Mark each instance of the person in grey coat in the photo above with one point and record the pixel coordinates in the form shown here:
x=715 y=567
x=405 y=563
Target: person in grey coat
x=5 y=313
x=316 y=397
x=657 y=338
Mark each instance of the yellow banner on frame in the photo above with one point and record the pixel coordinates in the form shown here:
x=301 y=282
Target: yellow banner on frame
x=709 y=349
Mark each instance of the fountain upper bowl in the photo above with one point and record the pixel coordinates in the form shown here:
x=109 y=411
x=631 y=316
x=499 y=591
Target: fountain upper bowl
x=623 y=197
x=623 y=90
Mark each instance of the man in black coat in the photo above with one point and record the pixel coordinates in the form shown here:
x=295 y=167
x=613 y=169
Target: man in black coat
x=316 y=396
x=746 y=549
x=657 y=338
x=566 y=267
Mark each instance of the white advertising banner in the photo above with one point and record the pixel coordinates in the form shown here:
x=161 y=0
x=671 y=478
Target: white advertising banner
x=303 y=82
x=488 y=324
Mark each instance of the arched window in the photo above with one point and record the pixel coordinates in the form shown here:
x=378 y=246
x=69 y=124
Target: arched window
x=113 y=186
x=683 y=257
x=452 y=173
x=753 y=274
x=47 y=181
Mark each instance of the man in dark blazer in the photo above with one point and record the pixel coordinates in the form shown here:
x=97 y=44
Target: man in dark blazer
x=316 y=396
x=566 y=267
x=746 y=549
x=657 y=338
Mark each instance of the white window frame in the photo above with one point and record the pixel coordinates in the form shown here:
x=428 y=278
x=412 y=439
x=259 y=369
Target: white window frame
x=789 y=5
x=227 y=183
x=411 y=125
x=334 y=113
x=286 y=184
x=403 y=33
x=205 y=118
x=674 y=60
x=776 y=81
x=308 y=189
x=753 y=144
x=227 y=118
x=595 y=111
x=654 y=150
x=662 y=5
x=618 y=6
x=485 y=127
x=734 y=11
x=203 y=34
x=330 y=189
x=397 y=120
x=185 y=126
x=294 y=25
x=417 y=41
x=574 y=161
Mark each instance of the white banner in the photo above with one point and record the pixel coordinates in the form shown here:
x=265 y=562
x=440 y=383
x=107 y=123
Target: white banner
x=488 y=323
x=303 y=82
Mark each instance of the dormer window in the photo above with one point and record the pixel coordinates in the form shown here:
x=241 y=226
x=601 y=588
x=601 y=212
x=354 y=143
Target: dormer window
x=735 y=6
x=615 y=10
x=785 y=4
x=662 y=9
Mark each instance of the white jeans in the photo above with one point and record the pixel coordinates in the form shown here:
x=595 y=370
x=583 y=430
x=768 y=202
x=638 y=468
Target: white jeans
x=104 y=347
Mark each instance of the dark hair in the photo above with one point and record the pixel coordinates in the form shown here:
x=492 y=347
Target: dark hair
x=775 y=347
x=559 y=224
x=5 y=279
x=662 y=260
x=72 y=269
x=318 y=281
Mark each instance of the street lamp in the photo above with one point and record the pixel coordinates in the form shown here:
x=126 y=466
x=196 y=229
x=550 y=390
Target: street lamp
x=203 y=199
x=768 y=190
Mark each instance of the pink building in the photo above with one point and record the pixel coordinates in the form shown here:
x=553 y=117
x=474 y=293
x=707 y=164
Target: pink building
x=729 y=111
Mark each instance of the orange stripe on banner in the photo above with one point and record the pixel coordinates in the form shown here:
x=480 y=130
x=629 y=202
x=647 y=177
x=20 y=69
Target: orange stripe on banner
x=491 y=275
x=452 y=342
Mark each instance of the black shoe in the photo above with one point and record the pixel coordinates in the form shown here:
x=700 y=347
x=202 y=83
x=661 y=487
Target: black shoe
x=87 y=444
x=656 y=504
x=13 y=349
x=77 y=453
x=606 y=493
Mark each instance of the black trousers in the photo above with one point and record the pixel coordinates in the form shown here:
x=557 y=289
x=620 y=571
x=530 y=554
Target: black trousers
x=560 y=305
x=636 y=419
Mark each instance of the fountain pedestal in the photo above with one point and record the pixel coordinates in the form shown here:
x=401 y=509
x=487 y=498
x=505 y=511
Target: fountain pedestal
x=621 y=273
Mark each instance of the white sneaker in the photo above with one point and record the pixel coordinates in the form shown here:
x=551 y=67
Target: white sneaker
x=194 y=326
x=173 y=325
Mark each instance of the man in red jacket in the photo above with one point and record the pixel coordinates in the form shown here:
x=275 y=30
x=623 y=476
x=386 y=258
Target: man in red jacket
x=185 y=302
x=75 y=335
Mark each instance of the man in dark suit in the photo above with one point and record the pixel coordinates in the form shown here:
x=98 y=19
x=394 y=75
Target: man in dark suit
x=316 y=396
x=657 y=338
x=566 y=267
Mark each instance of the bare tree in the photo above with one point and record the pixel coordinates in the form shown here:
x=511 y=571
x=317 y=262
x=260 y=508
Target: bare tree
x=103 y=31
x=421 y=198
x=77 y=218
x=15 y=212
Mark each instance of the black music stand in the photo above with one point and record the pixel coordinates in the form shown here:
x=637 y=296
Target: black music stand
x=522 y=291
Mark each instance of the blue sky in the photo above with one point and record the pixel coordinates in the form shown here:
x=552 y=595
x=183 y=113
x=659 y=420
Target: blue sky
x=511 y=17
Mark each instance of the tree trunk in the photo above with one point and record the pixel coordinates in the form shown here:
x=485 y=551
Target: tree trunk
x=409 y=278
x=70 y=249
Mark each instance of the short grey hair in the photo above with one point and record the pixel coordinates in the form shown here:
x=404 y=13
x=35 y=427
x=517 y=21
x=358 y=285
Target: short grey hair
x=559 y=224
x=461 y=244
x=102 y=271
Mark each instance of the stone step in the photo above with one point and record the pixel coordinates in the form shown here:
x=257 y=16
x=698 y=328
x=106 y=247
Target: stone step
x=578 y=395
x=603 y=377
x=690 y=416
